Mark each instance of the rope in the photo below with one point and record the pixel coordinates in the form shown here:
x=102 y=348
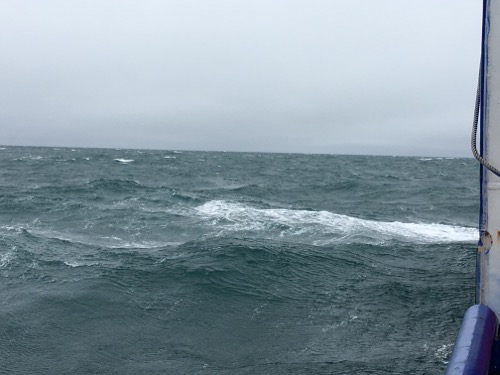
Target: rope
x=474 y=132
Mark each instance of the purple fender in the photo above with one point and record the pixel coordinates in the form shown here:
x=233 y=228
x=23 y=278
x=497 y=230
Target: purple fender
x=472 y=352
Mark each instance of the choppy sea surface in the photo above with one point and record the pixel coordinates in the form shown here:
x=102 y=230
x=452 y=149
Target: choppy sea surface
x=170 y=262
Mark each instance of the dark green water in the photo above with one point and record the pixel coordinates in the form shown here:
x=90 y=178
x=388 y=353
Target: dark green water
x=162 y=262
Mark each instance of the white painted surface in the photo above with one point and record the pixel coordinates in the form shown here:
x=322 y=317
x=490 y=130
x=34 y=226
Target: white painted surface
x=491 y=266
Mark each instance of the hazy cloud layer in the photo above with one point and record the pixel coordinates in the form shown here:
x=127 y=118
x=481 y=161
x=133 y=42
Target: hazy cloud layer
x=362 y=77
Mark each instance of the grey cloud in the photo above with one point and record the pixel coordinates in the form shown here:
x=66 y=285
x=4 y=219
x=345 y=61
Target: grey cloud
x=295 y=76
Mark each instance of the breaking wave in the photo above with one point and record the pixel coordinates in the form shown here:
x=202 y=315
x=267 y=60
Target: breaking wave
x=323 y=227
x=124 y=161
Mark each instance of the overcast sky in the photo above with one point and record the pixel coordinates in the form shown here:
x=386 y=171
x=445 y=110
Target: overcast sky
x=385 y=77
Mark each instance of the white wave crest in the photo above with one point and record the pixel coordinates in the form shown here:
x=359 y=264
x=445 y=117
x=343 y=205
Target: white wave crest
x=124 y=161
x=323 y=227
x=6 y=258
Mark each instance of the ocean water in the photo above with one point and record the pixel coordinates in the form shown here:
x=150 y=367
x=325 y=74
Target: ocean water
x=167 y=262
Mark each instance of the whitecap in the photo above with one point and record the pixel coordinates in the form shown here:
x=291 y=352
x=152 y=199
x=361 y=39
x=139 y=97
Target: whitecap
x=72 y=264
x=124 y=161
x=443 y=352
x=75 y=264
x=323 y=227
x=15 y=228
x=142 y=245
x=6 y=258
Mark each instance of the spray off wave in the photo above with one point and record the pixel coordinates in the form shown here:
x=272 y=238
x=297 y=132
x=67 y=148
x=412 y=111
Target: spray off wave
x=323 y=227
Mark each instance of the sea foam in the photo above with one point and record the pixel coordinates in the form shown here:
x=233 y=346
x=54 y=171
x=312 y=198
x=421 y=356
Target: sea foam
x=124 y=161
x=324 y=227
